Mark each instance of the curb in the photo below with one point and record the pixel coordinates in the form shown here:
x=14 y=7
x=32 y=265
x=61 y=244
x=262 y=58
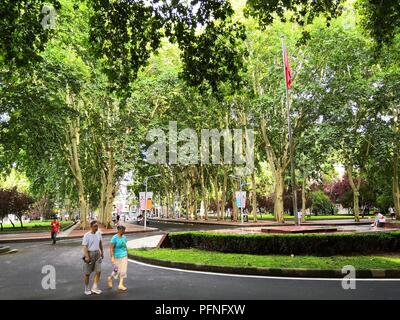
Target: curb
x=271 y=272
x=21 y=240
x=36 y=231
x=69 y=227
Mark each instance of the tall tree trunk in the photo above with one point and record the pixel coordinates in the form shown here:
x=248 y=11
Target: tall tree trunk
x=224 y=190
x=203 y=193
x=170 y=213
x=194 y=205
x=107 y=190
x=102 y=201
x=187 y=199
x=278 y=203
x=254 y=195
x=278 y=165
x=72 y=139
x=216 y=192
x=396 y=185
x=193 y=193
x=206 y=206
x=235 y=209
x=303 y=198
x=166 y=202
x=172 y=205
x=355 y=187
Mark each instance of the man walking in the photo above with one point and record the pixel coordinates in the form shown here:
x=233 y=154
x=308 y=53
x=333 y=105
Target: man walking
x=93 y=257
x=55 y=228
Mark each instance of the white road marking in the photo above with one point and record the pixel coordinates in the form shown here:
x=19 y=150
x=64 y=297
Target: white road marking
x=257 y=277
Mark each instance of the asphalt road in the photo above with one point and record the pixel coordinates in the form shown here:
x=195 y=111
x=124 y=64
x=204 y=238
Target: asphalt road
x=21 y=277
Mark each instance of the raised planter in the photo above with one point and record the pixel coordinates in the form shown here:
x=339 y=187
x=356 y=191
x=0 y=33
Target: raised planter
x=326 y=244
x=298 y=230
x=390 y=225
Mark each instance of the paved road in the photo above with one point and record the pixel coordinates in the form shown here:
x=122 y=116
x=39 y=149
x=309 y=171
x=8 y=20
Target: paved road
x=20 y=278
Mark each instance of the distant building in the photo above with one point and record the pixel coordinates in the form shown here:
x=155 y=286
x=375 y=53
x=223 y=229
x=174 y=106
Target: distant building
x=121 y=203
x=340 y=169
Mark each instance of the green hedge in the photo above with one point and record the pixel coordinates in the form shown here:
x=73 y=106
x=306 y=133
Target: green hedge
x=307 y=244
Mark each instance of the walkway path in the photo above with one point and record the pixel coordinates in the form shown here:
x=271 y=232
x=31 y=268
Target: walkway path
x=71 y=233
x=145 y=242
x=21 y=278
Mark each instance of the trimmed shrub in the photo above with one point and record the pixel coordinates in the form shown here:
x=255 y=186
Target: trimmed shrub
x=307 y=244
x=321 y=203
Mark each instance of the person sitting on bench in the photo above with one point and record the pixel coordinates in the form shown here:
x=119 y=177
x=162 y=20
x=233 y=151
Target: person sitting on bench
x=379 y=218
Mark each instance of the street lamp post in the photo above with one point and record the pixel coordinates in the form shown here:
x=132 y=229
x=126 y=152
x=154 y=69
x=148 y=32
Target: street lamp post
x=145 y=198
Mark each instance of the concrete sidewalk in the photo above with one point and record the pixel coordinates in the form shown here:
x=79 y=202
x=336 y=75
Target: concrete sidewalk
x=71 y=233
x=264 y=223
x=218 y=222
x=146 y=242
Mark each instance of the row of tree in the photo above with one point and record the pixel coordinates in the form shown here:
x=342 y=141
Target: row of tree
x=77 y=101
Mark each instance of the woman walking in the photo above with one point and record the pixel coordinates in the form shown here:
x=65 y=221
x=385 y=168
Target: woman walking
x=119 y=258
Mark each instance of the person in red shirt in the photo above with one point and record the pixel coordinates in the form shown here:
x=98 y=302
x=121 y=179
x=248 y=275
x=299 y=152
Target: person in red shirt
x=55 y=228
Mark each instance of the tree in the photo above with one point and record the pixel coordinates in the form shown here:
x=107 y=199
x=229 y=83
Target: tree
x=19 y=204
x=266 y=91
x=79 y=91
x=387 y=129
x=5 y=201
x=321 y=204
x=378 y=18
x=42 y=208
x=346 y=91
x=23 y=36
x=14 y=202
x=123 y=35
x=313 y=159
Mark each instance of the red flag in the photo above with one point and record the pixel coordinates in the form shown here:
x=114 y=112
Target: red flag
x=288 y=74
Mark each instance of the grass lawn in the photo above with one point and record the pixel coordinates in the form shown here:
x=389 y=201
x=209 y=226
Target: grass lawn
x=33 y=225
x=269 y=261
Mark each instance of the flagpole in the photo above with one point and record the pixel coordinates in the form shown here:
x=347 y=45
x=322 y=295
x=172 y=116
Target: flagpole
x=291 y=146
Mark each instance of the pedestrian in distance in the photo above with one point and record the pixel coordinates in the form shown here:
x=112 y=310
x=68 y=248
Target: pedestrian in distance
x=55 y=228
x=392 y=213
x=300 y=217
x=92 y=257
x=119 y=258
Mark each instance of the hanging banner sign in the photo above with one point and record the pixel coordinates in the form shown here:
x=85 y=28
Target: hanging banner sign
x=241 y=199
x=142 y=200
